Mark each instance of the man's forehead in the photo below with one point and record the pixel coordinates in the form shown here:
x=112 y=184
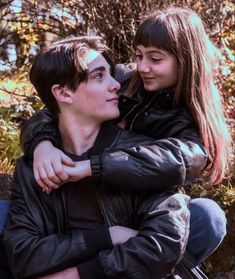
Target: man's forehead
x=91 y=55
x=96 y=59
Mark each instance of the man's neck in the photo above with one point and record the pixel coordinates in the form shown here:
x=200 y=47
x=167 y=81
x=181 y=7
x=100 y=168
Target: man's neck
x=77 y=136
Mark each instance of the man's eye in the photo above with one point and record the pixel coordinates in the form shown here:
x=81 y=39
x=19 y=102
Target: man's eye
x=98 y=76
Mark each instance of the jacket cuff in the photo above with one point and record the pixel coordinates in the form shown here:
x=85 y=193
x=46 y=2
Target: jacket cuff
x=91 y=269
x=98 y=239
x=35 y=141
x=96 y=168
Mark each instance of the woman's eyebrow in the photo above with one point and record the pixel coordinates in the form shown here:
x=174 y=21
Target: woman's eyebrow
x=155 y=51
x=152 y=51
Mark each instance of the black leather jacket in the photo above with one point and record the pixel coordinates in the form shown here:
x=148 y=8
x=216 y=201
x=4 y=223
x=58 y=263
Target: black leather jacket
x=176 y=157
x=37 y=242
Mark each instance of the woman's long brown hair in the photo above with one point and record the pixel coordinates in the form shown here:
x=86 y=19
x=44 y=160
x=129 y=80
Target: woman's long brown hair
x=180 y=31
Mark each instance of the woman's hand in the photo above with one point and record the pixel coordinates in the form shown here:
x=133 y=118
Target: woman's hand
x=48 y=166
x=81 y=170
x=120 y=234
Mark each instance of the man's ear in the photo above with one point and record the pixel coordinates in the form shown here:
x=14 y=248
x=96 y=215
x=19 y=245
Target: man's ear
x=62 y=94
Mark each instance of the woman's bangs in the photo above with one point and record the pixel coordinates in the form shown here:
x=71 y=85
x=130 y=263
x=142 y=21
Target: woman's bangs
x=153 y=34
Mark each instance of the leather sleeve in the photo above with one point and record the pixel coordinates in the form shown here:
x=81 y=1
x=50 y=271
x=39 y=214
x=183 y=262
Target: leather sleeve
x=159 y=246
x=177 y=159
x=41 y=126
x=161 y=166
x=34 y=244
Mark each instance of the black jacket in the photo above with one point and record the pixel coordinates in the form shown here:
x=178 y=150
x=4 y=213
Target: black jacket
x=176 y=157
x=37 y=242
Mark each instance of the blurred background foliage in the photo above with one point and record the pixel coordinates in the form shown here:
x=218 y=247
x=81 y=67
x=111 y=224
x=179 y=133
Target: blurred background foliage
x=28 y=25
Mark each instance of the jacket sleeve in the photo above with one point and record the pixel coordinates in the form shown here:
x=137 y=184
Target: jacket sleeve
x=160 y=164
x=33 y=243
x=41 y=126
x=159 y=246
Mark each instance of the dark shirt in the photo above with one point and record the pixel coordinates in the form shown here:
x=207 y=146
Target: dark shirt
x=83 y=211
x=82 y=206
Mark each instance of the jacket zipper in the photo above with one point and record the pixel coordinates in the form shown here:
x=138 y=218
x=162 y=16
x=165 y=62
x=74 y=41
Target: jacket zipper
x=59 y=211
x=114 y=142
x=102 y=207
x=56 y=210
x=126 y=116
x=133 y=120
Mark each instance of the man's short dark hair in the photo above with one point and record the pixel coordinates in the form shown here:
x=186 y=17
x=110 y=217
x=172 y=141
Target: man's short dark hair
x=63 y=63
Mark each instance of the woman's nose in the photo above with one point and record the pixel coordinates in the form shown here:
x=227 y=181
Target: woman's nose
x=142 y=66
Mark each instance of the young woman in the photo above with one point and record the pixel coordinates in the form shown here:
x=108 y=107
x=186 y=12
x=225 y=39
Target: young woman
x=172 y=97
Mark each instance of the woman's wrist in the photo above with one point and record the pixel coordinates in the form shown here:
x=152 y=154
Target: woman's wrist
x=84 y=168
x=87 y=168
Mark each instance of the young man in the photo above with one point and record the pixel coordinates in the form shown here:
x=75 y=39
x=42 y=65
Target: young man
x=84 y=230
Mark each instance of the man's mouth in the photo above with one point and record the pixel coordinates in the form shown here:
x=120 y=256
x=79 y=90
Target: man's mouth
x=114 y=99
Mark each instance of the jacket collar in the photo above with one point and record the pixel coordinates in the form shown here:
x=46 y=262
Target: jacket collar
x=106 y=136
x=164 y=97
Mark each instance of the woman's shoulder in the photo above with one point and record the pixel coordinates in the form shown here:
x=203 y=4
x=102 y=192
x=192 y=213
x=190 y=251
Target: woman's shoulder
x=123 y=72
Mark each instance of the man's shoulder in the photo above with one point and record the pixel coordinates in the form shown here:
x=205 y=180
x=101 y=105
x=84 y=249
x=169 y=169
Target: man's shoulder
x=23 y=162
x=24 y=169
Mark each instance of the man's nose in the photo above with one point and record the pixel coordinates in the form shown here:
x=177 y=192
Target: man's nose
x=115 y=85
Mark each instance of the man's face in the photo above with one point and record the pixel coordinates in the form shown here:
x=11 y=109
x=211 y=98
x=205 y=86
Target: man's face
x=96 y=99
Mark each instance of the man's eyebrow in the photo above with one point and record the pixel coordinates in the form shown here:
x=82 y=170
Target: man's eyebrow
x=101 y=68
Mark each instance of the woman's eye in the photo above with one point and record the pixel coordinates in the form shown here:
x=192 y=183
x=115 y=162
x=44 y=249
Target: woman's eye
x=156 y=59
x=138 y=56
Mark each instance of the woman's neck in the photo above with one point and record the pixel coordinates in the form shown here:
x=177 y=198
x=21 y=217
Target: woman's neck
x=77 y=136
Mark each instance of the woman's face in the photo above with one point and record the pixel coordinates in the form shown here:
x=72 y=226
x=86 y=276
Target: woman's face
x=158 y=68
x=96 y=99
